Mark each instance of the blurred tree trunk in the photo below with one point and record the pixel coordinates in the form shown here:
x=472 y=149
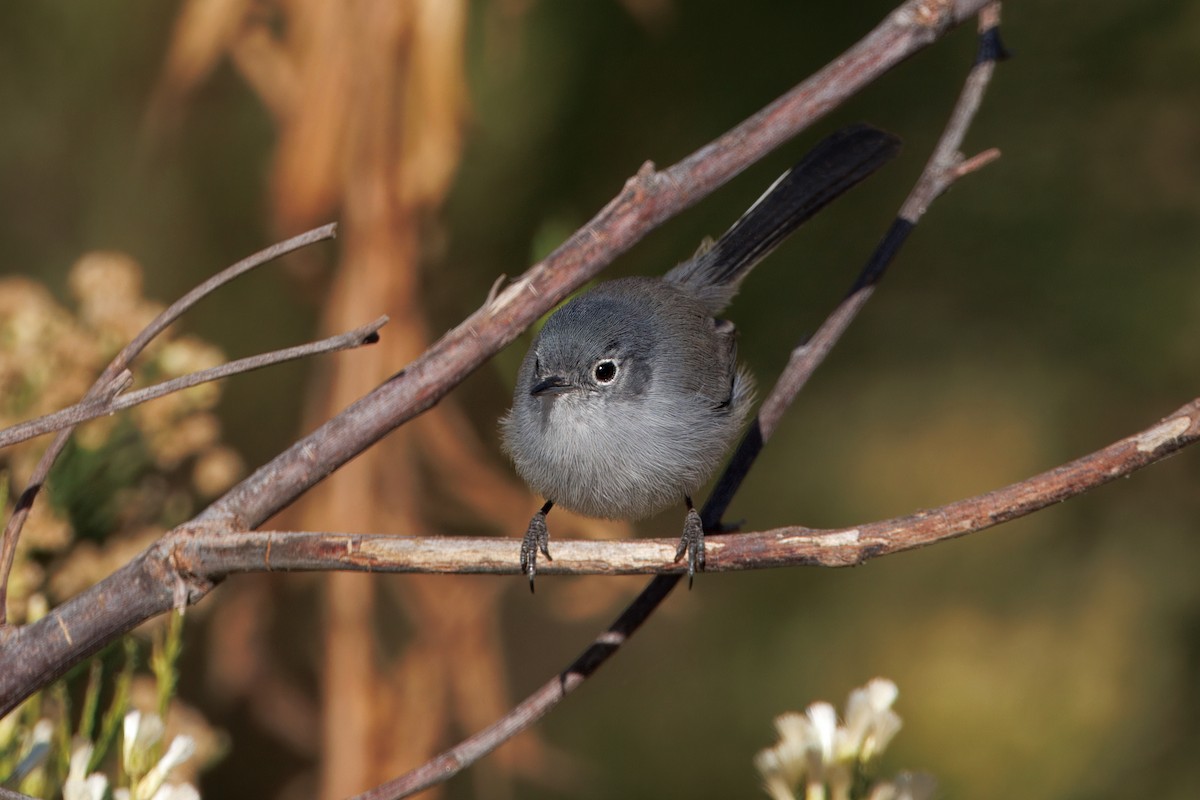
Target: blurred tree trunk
x=370 y=98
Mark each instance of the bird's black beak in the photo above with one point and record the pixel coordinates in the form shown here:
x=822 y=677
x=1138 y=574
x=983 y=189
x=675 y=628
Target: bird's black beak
x=551 y=385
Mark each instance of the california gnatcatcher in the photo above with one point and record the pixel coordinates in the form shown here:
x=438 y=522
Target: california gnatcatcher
x=631 y=393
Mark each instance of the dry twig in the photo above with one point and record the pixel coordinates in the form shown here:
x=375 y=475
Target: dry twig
x=116 y=377
x=100 y=406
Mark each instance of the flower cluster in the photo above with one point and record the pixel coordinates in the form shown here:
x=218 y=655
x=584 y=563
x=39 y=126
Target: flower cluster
x=145 y=772
x=828 y=758
x=142 y=771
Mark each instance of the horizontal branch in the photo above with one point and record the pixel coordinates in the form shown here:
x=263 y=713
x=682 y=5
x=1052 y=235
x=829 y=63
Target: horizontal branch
x=102 y=406
x=214 y=554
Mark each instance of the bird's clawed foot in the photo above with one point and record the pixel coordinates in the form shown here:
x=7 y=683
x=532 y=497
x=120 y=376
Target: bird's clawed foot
x=537 y=537
x=692 y=542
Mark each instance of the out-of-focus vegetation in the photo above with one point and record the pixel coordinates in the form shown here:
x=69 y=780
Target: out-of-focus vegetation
x=106 y=746
x=1045 y=307
x=123 y=480
x=121 y=483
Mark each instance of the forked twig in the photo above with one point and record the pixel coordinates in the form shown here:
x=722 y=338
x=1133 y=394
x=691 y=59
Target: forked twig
x=99 y=407
x=115 y=377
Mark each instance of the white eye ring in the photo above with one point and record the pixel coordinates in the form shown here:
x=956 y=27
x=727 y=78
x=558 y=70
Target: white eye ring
x=605 y=371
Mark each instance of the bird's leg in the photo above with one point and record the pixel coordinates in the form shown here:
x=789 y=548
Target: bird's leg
x=537 y=537
x=692 y=541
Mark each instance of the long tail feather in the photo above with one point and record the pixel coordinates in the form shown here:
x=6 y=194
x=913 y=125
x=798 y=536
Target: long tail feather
x=830 y=169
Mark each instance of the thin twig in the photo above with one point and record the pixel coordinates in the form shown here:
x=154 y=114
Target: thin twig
x=944 y=167
x=115 y=378
x=934 y=180
x=82 y=412
x=35 y=654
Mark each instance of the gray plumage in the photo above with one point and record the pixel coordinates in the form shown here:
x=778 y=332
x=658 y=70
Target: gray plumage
x=651 y=435
x=631 y=393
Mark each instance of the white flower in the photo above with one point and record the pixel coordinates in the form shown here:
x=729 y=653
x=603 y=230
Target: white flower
x=93 y=787
x=870 y=722
x=777 y=778
x=79 y=785
x=79 y=761
x=181 y=749
x=823 y=719
x=142 y=733
x=805 y=748
x=815 y=751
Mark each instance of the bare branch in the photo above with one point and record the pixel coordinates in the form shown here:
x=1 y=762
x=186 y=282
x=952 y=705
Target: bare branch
x=215 y=554
x=82 y=412
x=976 y=162
x=115 y=378
x=944 y=167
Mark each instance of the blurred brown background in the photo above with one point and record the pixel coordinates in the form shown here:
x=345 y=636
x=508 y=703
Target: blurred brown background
x=1047 y=305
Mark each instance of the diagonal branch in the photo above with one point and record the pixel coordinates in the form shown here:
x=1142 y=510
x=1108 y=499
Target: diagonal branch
x=35 y=654
x=115 y=378
x=938 y=174
x=100 y=406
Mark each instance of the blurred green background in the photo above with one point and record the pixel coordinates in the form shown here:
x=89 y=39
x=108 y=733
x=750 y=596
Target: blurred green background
x=1045 y=307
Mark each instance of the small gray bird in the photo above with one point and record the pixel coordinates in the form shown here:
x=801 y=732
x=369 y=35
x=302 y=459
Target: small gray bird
x=631 y=393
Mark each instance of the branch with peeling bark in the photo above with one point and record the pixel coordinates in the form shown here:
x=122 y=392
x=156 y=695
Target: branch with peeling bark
x=214 y=554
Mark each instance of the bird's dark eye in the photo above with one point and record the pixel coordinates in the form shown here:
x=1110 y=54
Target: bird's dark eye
x=605 y=371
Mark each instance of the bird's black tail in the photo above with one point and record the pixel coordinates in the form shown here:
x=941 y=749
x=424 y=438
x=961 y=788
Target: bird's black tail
x=836 y=164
